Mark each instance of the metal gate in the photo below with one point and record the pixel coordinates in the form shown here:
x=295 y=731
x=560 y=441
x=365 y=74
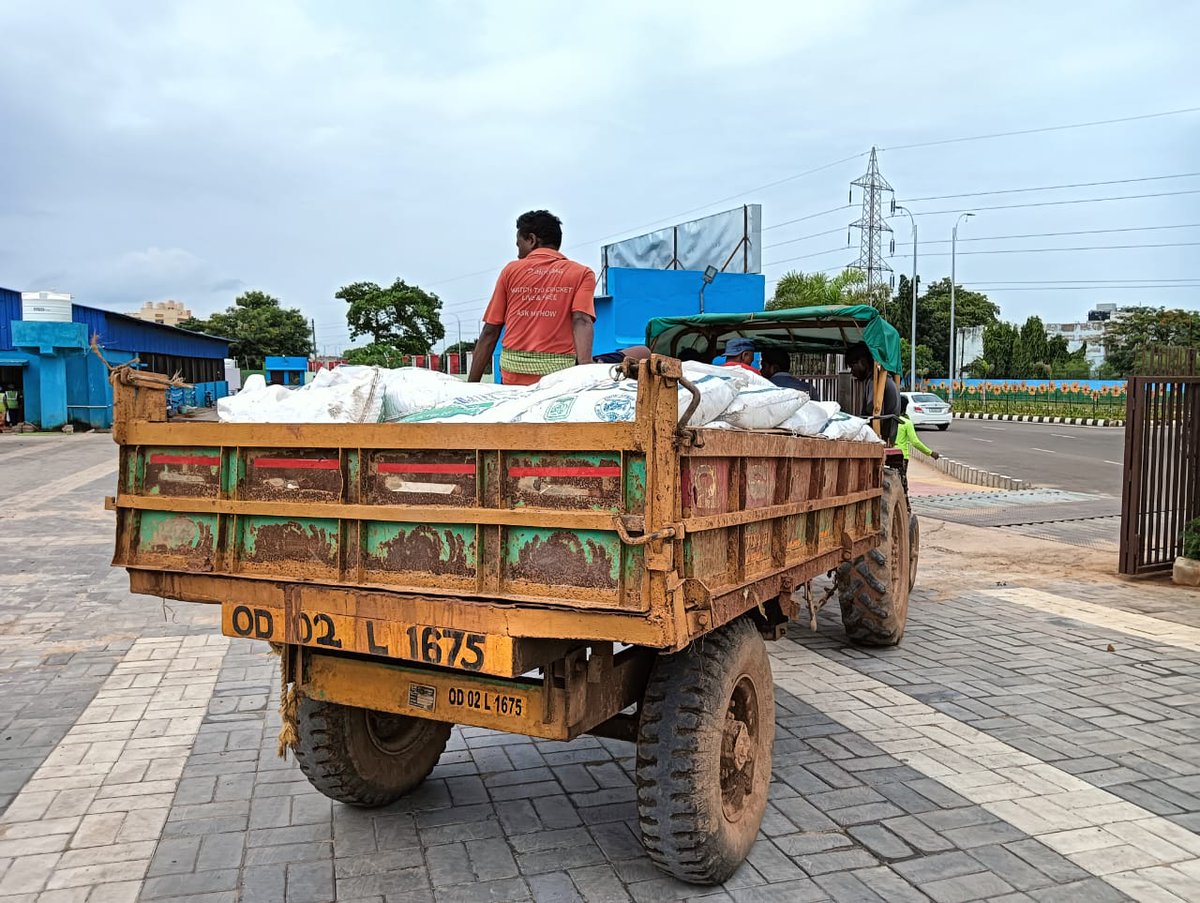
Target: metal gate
x=1161 y=489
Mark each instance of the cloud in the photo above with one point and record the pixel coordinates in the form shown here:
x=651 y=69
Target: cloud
x=299 y=146
x=151 y=274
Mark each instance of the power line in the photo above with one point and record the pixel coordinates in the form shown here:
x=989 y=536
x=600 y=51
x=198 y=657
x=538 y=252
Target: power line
x=834 y=163
x=1049 y=128
x=1088 y=281
x=807 y=256
x=1125 y=197
x=946 y=241
x=801 y=219
x=1177 y=244
x=732 y=197
x=792 y=241
x=675 y=217
x=1077 y=288
x=976 y=194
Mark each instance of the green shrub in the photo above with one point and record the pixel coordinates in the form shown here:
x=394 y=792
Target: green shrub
x=1191 y=540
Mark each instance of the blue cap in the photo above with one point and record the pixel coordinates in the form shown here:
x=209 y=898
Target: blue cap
x=738 y=346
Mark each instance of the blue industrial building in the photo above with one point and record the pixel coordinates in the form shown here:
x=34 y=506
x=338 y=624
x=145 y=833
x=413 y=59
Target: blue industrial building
x=61 y=381
x=285 y=371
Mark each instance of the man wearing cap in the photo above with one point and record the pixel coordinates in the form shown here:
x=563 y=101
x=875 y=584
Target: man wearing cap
x=740 y=353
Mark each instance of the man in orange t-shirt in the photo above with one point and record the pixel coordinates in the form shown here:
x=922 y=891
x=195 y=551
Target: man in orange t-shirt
x=543 y=302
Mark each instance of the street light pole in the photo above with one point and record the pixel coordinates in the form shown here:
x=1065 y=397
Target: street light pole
x=953 y=247
x=912 y=335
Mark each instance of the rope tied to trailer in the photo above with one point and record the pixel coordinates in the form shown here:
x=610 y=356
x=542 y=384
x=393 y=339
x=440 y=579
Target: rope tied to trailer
x=289 y=700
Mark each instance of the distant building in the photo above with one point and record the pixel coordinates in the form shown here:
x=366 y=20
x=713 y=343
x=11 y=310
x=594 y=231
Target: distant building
x=969 y=348
x=1090 y=331
x=46 y=357
x=285 y=371
x=168 y=313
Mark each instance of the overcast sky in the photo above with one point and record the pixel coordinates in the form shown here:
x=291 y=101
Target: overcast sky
x=195 y=150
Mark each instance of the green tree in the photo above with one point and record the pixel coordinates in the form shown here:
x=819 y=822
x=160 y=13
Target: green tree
x=1074 y=366
x=1057 y=350
x=1000 y=340
x=933 y=317
x=400 y=317
x=926 y=363
x=1137 y=329
x=258 y=326
x=796 y=289
x=978 y=368
x=1031 y=357
x=374 y=355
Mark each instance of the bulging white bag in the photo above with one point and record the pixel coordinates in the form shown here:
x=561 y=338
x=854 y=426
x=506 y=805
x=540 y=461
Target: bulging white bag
x=739 y=376
x=352 y=396
x=846 y=426
x=764 y=409
x=717 y=393
x=577 y=379
x=811 y=418
x=407 y=390
x=609 y=402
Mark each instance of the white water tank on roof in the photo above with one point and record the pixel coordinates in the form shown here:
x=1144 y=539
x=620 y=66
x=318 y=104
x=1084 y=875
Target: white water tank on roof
x=47 y=307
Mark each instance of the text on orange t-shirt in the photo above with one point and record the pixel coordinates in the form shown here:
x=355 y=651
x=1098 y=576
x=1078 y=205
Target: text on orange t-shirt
x=535 y=298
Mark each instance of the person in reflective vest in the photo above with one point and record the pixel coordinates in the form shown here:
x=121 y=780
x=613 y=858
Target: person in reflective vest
x=11 y=398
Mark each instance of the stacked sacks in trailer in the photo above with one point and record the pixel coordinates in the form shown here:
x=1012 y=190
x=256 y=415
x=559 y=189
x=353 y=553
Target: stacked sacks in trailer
x=730 y=398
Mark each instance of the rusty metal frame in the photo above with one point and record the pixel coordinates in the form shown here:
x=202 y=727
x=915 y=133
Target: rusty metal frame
x=1160 y=491
x=574 y=695
x=674 y=609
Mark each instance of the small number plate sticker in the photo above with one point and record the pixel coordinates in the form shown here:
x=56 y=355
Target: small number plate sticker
x=422 y=697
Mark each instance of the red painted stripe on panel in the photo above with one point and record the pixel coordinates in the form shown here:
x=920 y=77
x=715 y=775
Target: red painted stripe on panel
x=564 y=472
x=298 y=463
x=201 y=460
x=385 y=467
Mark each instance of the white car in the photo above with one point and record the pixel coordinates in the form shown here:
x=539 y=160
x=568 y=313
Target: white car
x=927 y=409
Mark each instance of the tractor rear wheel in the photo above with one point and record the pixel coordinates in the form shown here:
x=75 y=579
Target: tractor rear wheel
x=363 y=757
x=706 y=728
x=873 y=589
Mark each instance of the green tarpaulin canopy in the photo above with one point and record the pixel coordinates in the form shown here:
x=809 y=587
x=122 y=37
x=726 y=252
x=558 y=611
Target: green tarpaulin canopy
x=810 y=330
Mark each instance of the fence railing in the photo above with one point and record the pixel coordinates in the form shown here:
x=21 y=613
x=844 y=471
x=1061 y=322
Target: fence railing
x=1096 y=404
x=1161 y=489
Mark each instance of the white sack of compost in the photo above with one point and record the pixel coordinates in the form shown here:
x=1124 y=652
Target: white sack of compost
x=811 y=418
x=764 y=409
x=846 y=426
x=341 y=395
x=407 y=390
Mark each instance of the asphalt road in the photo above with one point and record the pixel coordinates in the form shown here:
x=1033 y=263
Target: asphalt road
x=1075 y=458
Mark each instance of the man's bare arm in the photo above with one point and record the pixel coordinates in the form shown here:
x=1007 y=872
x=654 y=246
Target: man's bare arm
x=484 y=348
x=583 y=329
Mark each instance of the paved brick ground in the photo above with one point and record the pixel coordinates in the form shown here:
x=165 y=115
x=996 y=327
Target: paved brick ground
x=1025 y=743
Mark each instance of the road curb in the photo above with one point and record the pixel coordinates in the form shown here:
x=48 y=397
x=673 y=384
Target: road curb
x=1038 y=418
x=977 y=476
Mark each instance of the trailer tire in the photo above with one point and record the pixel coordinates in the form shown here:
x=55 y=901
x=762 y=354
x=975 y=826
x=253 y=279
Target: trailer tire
x=362 y=757
x=914 y=550
x=706 y=728
x=873 y=589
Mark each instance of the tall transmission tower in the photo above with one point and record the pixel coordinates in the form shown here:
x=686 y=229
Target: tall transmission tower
x=871 y=225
